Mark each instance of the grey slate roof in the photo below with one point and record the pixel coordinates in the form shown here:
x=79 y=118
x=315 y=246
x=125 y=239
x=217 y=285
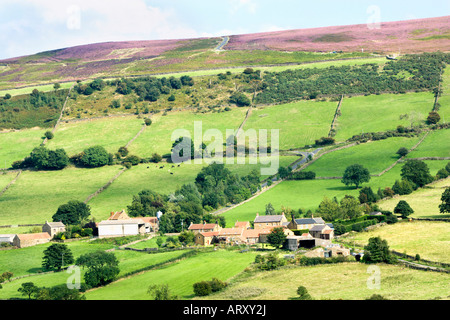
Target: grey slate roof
x=318 y=227
x=309 y=221
x=56 y=224
x=262 y=219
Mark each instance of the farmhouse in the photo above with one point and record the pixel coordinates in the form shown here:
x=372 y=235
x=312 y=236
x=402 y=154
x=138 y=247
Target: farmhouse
x=322 y=231
x=262 y=222
x=304 y=224
x=241 y=233
x=205 y=227
x=120 y=215
x=242 y=224
x=206 y=238
x=231 y=235
x=53 y=228
x=31 y=239
x=266 y=231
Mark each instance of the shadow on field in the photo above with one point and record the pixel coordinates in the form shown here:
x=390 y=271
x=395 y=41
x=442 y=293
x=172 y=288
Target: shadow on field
x=343 y=188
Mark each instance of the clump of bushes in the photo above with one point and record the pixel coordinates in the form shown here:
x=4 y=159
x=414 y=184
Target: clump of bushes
x=325 y=141
x=269 y=262
x=205 y=288
x=302 y=175
x=74 y=232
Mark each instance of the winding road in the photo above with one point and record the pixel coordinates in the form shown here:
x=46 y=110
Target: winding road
x=222 y=44
x=298 y=163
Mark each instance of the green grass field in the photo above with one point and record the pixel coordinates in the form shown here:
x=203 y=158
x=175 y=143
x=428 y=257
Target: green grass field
x=326 y=64
x=431 y=240
x=128 y=262
x=31 y=257
x=148 y=243
x=158 y=138
x=180 y=276
x=376 y=113
x=28 y=90
x=36 y=196
x=110 y=133
x=299 y=123
x=17 y=145
x=444 y=100
x=308 y=194
x=347 y=281
x=436 y=144
x=376 y=156
x=6 y=178
x=149 y=176
x=425 y=202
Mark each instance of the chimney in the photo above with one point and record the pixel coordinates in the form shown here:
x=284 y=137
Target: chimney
x=112 y=213
x=257 y=214
x=292 y=216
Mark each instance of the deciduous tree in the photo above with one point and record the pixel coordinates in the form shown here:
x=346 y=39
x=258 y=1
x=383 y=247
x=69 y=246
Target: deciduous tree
x=356 y=174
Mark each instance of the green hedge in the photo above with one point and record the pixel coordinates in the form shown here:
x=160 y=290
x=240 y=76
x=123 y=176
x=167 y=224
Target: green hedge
x=300 y=232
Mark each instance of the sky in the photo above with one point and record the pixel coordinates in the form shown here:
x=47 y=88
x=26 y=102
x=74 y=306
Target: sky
x=32 y=26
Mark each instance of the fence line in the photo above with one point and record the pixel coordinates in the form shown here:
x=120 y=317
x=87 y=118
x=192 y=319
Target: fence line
x=96 y=193
x=11 y=183
x=60 y=115
x=336 y=115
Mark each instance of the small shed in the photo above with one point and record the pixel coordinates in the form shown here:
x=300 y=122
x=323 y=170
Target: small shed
x=7 y=238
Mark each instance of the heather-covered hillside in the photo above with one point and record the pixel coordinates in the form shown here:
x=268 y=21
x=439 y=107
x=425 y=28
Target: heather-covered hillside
x=411 y=36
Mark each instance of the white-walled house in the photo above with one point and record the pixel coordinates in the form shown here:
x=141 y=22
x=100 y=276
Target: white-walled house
x=121 y=228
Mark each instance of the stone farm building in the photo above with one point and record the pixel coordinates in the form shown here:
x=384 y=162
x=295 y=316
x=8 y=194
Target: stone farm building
x=322 y=231
x=31 y=239
x=262 y=222
x=305 y=223
x=49 y=230
x=241 y=233
x=203 y=227
x=328 y=251
x=53 y=228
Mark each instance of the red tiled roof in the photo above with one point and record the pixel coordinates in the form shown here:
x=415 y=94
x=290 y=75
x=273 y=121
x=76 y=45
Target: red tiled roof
x=206 y=226
x=241 y=224
x=146 y=219
x=209 y=234
x=252 y=233
x=328 y=231
x=231 y=231
x=34 y=236
x=118 y=215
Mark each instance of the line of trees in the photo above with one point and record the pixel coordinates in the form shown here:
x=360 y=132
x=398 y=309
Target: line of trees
x=423 y=74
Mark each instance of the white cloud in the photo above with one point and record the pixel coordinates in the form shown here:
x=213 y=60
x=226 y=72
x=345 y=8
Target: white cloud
x=113 y=19
x=236 y=5
x=273 y=28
